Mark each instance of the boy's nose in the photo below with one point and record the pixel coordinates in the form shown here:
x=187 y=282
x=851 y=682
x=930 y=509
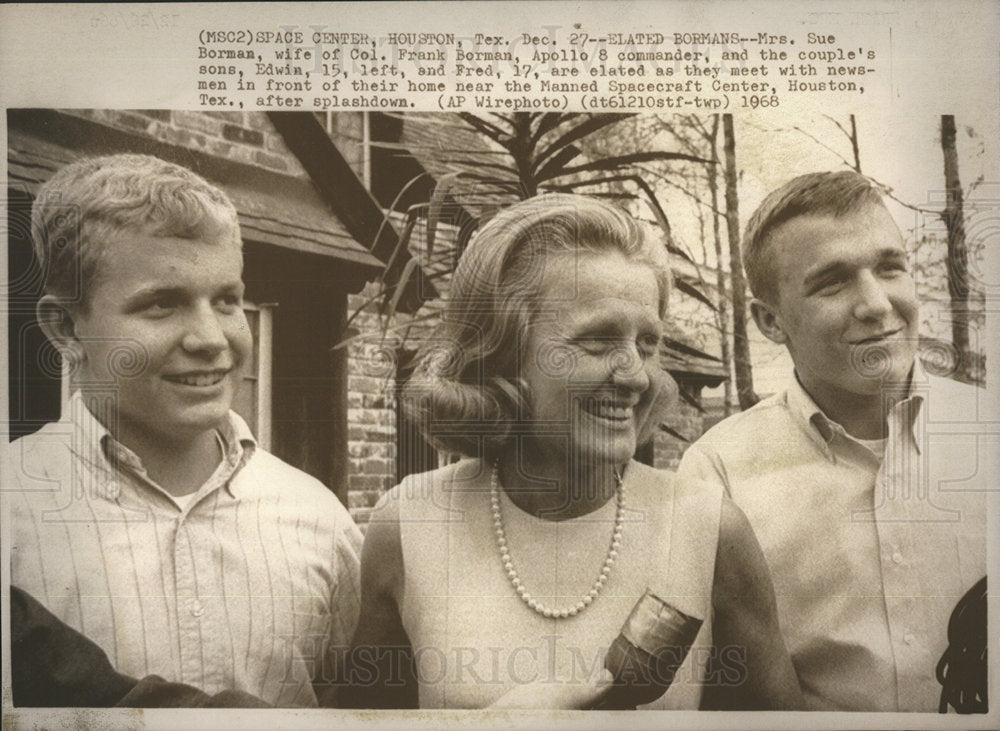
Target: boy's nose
x=873 y=301
x=205 y=332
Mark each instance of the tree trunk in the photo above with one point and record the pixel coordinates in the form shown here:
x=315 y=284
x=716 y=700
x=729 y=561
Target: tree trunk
x=854 y=145
x=741 y=345
x=720 y=275
x=958 y=257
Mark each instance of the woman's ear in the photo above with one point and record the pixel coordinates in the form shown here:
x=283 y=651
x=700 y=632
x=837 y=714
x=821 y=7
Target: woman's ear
x=58 y=322
x=768 y=321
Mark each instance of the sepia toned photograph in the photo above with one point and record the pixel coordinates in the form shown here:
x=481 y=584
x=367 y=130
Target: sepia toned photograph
x=322 y=408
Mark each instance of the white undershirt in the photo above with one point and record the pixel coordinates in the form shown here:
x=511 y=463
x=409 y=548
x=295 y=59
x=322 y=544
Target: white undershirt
x=183 y=501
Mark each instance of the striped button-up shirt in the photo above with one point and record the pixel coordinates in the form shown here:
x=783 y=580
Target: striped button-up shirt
x=244 y=586
x=869 y=552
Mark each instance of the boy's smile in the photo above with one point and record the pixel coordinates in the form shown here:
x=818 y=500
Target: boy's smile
x=847 y=308
x=198 y=379
x=173 y=307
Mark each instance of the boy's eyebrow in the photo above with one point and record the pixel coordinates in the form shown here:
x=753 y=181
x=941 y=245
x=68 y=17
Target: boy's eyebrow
x=153 y=291
x=840 y=266
x=892 y=254
x=161 y=290
x=833 y=267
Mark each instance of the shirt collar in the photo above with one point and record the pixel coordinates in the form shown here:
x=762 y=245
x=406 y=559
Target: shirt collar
x=95 y=443
x=801 y=404
x=238 y=446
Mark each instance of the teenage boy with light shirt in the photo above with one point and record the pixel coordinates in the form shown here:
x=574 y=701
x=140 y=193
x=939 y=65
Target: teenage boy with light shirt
x=856 y=478
x=148 y=519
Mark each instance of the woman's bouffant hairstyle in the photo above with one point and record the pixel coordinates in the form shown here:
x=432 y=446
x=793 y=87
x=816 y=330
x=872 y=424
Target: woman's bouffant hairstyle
x=466 y=395
x=87 y=203
x=814 y=194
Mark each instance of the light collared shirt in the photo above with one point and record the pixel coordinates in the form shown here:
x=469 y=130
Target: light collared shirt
x=244 y=587
x=869 y=553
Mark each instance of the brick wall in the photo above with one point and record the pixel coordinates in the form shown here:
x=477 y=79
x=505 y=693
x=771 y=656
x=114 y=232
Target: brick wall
x=244 y=137
x=372 y=367
x=371 y=409
x=686 y=420
x=346 y=129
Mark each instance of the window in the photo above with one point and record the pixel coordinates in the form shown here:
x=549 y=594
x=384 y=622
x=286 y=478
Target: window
x=253 y=401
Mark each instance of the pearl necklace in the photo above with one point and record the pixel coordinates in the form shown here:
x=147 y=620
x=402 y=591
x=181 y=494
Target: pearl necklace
x=508 y=563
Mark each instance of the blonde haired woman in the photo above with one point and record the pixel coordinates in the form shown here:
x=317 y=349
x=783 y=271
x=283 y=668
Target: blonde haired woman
x=503 y=579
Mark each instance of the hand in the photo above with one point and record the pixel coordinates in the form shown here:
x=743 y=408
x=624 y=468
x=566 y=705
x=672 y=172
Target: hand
x=553 y=694
x=662 y=400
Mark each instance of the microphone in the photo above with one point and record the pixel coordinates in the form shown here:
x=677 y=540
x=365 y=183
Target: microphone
x=645 y=656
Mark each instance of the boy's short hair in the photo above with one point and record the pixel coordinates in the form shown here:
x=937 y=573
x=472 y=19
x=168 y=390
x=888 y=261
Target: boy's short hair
x=813 y=194
x=91 y=200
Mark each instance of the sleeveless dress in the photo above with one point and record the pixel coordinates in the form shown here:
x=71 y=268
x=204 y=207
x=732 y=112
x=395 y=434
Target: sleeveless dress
x=473 y=638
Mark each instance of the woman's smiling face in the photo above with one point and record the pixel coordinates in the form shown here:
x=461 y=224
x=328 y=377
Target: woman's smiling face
x=589 y=355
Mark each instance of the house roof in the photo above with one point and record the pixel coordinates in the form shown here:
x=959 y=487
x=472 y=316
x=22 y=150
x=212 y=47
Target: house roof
x=274 y=209
x=695 y=369
x=480 y=181
x=336 y=182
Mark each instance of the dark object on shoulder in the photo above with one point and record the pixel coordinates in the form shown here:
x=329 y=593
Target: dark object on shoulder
x=962 y=668
x=54 y=666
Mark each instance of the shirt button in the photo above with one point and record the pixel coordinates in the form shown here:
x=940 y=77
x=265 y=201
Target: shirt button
x=196 y=608
x=908 y=638
x=897 y=557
